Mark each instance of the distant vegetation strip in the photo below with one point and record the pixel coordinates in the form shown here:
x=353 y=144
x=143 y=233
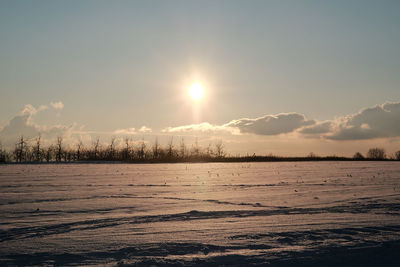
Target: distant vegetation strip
x=32 y=151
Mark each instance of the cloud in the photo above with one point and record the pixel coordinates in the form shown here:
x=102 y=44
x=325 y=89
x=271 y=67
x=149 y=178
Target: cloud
x=381 y=121
x=28 y=110
x=42 y=107
x=128 y=131
x=271 y=124
x=145 y=129
x=57 y=105
x=132 y=131
x=317 y=128
x=203 y=127
x=266 y=125
x=22 y=124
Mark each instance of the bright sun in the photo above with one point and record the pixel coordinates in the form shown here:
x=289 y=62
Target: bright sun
x=196 y=91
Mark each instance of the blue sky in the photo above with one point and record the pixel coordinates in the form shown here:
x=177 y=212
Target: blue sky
x=125 y=64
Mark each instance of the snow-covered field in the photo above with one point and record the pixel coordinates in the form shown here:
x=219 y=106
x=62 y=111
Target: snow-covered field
x=283 y=214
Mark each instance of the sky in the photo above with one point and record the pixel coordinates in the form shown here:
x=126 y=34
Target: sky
x=282 y=77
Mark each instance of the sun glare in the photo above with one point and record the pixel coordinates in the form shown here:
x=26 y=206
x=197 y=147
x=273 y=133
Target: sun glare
x=196 y=91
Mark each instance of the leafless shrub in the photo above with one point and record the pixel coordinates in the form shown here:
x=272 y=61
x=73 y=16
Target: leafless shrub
x=312 y=155
x=358 y=155
x=182 y=149
x=20 y=150
x=3 y=154
x=38 y=152
x=59 y=149
x=376 y=153
x=219 y=149
x=170 y=148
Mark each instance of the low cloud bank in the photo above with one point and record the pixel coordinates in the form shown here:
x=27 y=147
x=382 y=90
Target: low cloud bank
x=57 y=105
x=133 y=131
x=266 y=125
x=23 y=124
x=200 y=128
x=271 y=124
x=381 y=121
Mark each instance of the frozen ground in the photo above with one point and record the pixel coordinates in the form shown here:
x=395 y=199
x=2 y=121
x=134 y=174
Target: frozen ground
x=282 y=214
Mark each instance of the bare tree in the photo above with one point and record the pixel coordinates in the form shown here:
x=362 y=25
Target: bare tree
x=195 y=148
x=3 y=154
x=38 y=150
x=111 y=149
x=48 y=153
x=170 y=148
x=376 y=153
x=310 y=155
x=142 y=150
x=96 y=146
x=59 y=149
x=219 y=149
x=67 y=154
x=127 y=149
x=156 y=149
x=182 y=148
x=397 y=155
x=79 y=148
x=20 y=150
x=358 y=155
x=209 y=151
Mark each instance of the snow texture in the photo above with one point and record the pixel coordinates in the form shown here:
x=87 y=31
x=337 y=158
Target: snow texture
x=231 y=214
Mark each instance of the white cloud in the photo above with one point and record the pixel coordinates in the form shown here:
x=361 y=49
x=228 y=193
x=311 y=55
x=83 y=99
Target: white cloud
x=203 y=127
x=28 y=110
x=145 y=129
x=128 y=131
x=57 y=105
x=132 y=131
x=22 y=124
x=265 y=125
x=317 y=128
x=381 y=121
x=42 y=107
x=271 y=124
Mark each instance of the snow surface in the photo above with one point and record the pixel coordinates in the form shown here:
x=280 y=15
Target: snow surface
x=283 y=214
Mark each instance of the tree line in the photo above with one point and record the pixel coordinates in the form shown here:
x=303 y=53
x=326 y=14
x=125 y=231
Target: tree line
x=377 y=154
x=34 y=151
x=128 y=151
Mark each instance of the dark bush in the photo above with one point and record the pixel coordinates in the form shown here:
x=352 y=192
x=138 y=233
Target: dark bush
x=376 y=153
x=358 y=155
